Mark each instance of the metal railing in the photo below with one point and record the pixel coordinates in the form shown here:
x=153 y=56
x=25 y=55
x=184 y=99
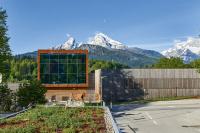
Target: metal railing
x=16 y=113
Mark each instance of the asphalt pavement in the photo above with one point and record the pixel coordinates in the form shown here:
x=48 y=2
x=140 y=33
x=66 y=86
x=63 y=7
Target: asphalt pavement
x=180 y=116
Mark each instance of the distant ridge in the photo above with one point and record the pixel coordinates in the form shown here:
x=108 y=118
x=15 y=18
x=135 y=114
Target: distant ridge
x=102 y=47
x=187 y=50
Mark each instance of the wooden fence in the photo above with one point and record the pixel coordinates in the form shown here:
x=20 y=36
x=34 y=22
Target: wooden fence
x=129 y=84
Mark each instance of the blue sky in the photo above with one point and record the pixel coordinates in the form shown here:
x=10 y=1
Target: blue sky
x=149 y=24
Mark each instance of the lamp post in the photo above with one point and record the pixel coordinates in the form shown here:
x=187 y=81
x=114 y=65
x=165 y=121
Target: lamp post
x=111 y=92
x=0 y=77
x=102 y=77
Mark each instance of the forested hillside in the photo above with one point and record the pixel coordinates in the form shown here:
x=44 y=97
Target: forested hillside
x=22 y=69
x=175 y=63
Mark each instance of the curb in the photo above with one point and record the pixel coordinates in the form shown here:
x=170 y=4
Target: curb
x=14 y=114
x=114 y=125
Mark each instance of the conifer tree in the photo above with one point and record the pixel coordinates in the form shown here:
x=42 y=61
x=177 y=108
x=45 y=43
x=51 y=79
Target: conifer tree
x=5 y=51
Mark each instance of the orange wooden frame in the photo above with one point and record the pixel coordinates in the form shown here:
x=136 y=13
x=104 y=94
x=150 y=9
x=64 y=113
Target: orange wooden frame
x=41 y=51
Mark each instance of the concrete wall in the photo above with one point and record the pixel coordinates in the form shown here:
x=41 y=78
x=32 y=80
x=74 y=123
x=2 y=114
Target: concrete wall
x=98 y=83
x=130 y=84
x=13 y=86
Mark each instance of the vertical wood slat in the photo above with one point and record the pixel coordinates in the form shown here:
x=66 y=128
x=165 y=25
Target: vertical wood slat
x=160 y=82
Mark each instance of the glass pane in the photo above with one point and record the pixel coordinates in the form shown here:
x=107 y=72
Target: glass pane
x=72 y=78
x=44 y=78
x=72 y=68
x=44 y=68
x=54 y=58
x=62 y=68
x=63 y=58
x=82 y=78
x=53 y=68
x=72 y=58
x=54 y=78
x=44 y=58
x=63 y=78
x=81 y=68
x=81 y=58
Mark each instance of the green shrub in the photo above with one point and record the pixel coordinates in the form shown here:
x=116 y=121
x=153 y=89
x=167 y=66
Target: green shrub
x=31 y=92
x=6 y=97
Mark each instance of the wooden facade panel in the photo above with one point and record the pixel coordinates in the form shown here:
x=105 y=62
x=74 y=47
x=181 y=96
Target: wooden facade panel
x=162 y=73
x=154 y=82
x=161 y=93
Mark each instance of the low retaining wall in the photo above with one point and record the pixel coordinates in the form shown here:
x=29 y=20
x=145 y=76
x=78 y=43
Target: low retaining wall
x=110 y=123
x=14 y=114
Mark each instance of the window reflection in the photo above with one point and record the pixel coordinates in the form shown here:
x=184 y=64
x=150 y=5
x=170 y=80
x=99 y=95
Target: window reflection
x=63 y=68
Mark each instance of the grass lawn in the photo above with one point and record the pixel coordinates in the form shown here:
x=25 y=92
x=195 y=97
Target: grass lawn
x=56 y=119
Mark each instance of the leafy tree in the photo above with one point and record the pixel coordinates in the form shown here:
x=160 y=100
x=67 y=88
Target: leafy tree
x=101 y=64
x=195 y=64
x=5 y=51
x=172 y=62
x=31 y=92
x=6 y=97
x=176 y=63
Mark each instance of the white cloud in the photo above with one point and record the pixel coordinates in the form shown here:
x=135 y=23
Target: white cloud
x=68 y=35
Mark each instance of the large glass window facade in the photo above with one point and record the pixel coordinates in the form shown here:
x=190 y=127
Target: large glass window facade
x=63 y=68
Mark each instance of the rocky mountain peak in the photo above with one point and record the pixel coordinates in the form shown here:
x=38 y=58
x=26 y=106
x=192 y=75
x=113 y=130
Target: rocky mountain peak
x=69 y=44
x=188 y=50
x=105 y=41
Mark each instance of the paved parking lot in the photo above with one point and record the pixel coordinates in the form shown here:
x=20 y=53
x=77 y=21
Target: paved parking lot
x=181 y=116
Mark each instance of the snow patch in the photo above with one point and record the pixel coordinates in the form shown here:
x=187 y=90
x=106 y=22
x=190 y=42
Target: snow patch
x=188 y=49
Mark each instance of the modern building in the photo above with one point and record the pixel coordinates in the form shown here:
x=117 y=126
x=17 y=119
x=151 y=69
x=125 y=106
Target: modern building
x=64 y=73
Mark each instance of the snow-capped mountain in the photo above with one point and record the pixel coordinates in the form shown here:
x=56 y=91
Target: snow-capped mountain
x=187 y=50
x=102 y=47
x=69 y=44
x=105 y=41
x=99 y=39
